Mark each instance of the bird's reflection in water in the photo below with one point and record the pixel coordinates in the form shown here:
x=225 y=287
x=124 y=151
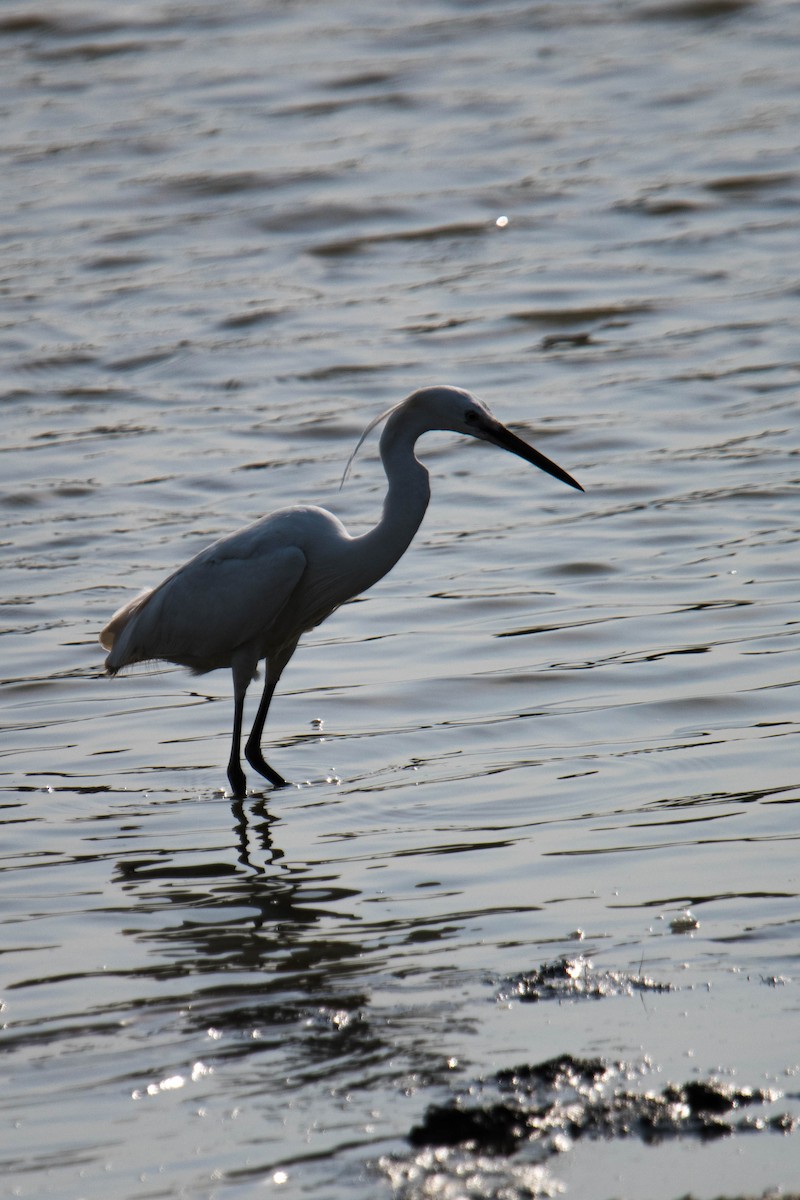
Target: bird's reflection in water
x=259 y=830
x=210 y=913
x=260 y=958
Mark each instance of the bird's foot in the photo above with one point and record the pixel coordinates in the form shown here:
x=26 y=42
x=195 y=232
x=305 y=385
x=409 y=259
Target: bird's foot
x=237 y=780
x=258 y=763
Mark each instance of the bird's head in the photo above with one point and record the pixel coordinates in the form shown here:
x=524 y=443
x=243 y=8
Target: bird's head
x=457 y=410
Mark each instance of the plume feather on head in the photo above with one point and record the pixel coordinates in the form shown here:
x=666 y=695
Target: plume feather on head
x=375 y=421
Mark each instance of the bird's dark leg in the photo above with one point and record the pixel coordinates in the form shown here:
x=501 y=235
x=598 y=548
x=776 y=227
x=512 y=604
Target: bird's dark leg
x=252 y=749
x=236 y=775
x=242 y=668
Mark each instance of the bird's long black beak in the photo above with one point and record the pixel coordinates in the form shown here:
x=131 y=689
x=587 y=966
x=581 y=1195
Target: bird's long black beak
x=501 y=436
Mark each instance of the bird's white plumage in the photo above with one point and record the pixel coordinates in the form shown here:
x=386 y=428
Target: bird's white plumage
x=234 y=593
x=251 y=595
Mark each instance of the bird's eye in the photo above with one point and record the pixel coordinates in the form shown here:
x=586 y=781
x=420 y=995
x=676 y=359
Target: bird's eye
x=470 y=416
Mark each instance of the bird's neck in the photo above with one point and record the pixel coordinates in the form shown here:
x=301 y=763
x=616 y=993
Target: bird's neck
x=405 y=504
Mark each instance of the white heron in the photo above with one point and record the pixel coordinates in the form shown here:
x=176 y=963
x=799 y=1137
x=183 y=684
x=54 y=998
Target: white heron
x=251 y=595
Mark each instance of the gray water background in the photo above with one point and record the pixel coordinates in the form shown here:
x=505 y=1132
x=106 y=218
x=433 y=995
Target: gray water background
x=231 y=235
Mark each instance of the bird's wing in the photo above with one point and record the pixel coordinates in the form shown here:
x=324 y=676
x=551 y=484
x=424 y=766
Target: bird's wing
x=223 y=599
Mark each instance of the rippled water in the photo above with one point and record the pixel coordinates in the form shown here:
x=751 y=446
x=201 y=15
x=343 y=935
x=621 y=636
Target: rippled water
x=232 y=235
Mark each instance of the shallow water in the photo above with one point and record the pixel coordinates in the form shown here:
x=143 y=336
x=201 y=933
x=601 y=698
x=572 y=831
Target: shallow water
x=231 y=237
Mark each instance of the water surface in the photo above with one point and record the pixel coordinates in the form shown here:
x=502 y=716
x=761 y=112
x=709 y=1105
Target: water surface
x=231 y=237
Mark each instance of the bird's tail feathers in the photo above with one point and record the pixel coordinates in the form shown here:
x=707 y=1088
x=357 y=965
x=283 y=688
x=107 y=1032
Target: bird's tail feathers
x=121 y=618
x=110 y=636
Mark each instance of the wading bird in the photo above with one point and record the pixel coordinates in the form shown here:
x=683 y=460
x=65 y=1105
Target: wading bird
x=251 y=595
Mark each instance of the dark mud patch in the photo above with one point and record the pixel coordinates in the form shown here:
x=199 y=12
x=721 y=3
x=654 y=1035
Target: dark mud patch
x=498 y=1135
x=574 y=979
x=564 y=1098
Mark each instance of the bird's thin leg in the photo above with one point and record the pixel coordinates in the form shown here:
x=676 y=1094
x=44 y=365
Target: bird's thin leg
x=236 y=775
x=242 y=674
x=252 y=749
